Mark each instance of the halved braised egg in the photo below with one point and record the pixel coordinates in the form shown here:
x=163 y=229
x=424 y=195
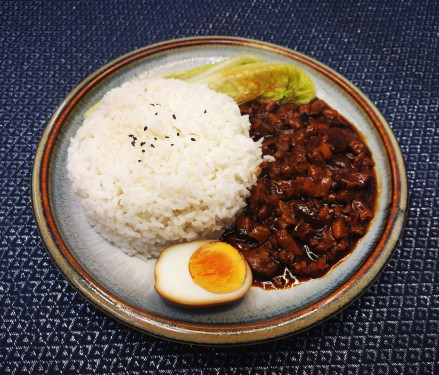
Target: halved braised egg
x=202 y=273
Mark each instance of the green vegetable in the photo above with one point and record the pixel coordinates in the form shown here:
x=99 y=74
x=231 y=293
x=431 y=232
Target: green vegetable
x=208 y=69
x=185 y=74
x=249 y=77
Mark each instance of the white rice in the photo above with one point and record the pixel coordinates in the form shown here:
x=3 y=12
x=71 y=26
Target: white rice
x=162 y=161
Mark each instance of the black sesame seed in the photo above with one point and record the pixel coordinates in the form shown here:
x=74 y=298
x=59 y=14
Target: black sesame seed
x=142 y=143
x=178 y=134
x=145 y=128
x=205 y=111
x=139 y=161
x=133 y=143
x=143 y=150
x=156 y=113
x=135 y=138
x=192 y=139
x=152 y=104
x=131 y=136
x=172 y=144
x=166 y=136
x=152 y=145
x=175 y=117
x=155 y=138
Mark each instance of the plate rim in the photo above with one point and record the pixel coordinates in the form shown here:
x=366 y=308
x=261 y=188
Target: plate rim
x=216 y=334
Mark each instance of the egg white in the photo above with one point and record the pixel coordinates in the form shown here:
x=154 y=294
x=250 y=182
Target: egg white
x=173 y=280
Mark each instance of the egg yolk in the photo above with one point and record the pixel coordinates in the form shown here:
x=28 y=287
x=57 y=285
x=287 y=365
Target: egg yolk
x=218 y=267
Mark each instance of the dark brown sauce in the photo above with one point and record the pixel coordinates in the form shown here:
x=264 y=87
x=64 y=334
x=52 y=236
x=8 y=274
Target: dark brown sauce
x=309 y=206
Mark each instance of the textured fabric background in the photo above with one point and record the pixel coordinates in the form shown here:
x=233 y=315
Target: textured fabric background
x=389 y=49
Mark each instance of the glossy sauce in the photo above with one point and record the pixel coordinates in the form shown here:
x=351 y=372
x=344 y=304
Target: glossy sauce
x=313 y=202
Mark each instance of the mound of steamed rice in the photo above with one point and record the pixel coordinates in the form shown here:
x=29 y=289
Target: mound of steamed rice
x=161 y=161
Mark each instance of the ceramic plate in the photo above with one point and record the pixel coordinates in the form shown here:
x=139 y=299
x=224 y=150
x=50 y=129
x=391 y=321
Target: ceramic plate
x=123 y=286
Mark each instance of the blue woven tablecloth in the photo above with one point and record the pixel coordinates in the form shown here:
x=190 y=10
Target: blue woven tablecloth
x=389 y=49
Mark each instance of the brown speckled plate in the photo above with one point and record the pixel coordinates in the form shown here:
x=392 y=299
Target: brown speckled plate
x=122 y=286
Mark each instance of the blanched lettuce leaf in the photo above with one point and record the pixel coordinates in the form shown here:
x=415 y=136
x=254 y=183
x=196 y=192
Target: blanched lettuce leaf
x=208 y=69
x=249 y=77
x=276 y=81
x=186 y=74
